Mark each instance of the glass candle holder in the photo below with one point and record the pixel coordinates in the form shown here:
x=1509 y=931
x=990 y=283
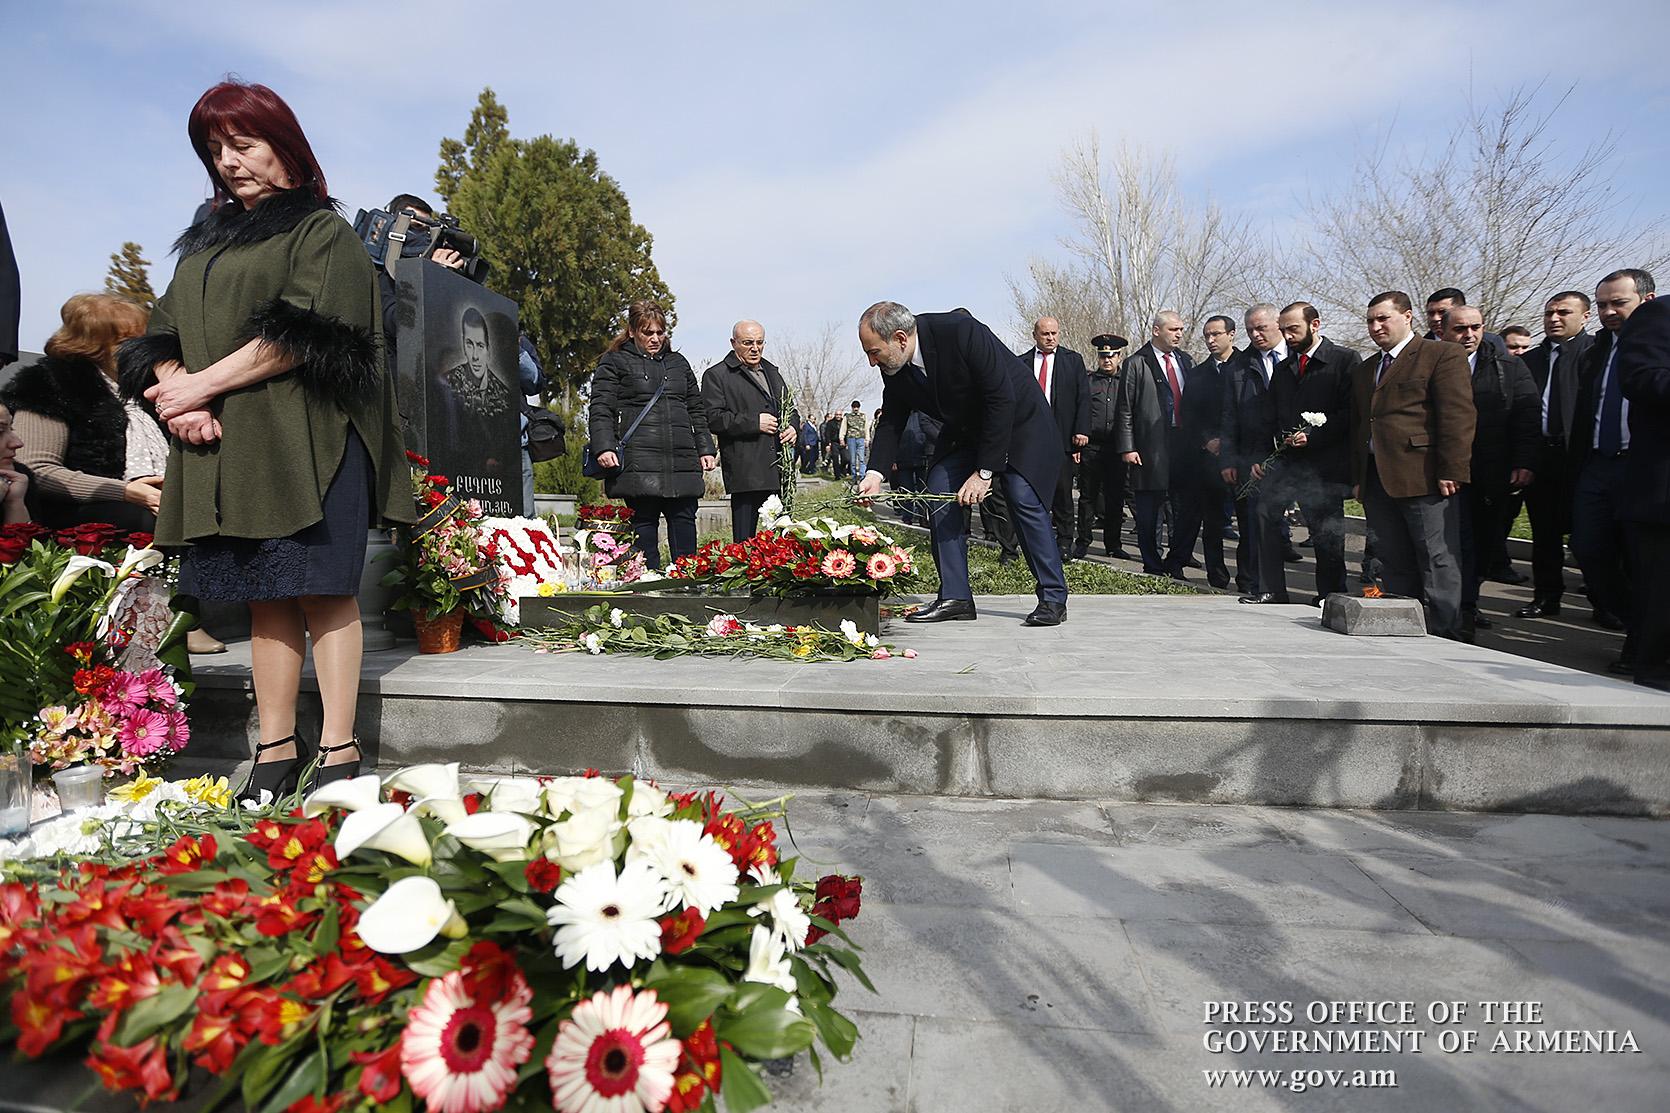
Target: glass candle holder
x=80 y=787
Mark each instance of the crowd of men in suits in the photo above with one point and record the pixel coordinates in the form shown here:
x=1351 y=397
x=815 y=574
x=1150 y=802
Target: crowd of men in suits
x=1439 y=436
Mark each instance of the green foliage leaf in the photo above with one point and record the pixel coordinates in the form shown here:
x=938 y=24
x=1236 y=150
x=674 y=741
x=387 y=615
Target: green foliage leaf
x=308 y=1077
x=739 y=1085
x=151 y=1014
x=691 y=994
x=837 y=1032
x=439 y=958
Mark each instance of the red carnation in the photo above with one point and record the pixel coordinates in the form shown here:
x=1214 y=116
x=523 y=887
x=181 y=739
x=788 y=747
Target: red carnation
x=680 y=931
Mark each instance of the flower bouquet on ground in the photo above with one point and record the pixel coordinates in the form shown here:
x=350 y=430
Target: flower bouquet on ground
x=603 y=548
x=578 y=943
x=446 y=570
x=1284 y=441
x=604 y=629
x=792 y=557
x=530 y=556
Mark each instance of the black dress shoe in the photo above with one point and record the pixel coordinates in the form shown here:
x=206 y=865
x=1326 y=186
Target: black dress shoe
x=1080 y=551
x=1290 y=555
x=1178 y=576
x=1606 y=620
x=1005 y=558
x=1538 y=608
x=945 y=610
x=1193 y=563
x=1509 y=575
x=1264 y=597
x=1120 y=554
x=1047 y=614
x=1218 y=578
x=1230 y=534
x=1480 y=622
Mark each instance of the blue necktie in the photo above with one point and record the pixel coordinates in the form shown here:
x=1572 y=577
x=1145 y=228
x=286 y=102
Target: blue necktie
x=1612 y=410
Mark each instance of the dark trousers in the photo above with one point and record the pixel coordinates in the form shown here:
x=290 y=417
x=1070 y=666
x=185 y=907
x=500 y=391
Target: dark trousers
x=745 y=513
x=1599 y=536
x=911 y=477
x=1494 y=548
x=1651 y=554
x=1323 y=505
x=681 y=526
x=1196 y=501
x=1417 y=540
x=995 y=521
x=1101 y=492
x=1548 y=501
x=1249 y=525
x=1061 y=507
x=1145 y=508
x=1483 y=533
x=948 y=526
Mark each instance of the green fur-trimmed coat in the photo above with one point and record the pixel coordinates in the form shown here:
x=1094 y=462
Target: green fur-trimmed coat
x=291 y=272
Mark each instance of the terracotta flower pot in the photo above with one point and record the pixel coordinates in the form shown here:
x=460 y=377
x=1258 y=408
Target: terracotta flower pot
x=438 y=635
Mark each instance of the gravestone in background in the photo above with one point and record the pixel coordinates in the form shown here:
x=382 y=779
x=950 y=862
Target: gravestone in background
x=457 y=383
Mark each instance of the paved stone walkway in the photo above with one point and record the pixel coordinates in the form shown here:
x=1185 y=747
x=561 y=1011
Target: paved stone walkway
x=1043 y=956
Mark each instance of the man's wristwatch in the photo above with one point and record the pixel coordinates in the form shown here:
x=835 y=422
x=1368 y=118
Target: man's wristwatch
x=985 y=473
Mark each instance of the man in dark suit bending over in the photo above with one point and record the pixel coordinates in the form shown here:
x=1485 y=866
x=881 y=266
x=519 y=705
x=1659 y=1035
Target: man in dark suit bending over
x=997 y=429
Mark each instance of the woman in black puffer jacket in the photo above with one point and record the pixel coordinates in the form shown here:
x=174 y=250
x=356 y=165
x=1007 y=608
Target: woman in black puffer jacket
x=659 y=471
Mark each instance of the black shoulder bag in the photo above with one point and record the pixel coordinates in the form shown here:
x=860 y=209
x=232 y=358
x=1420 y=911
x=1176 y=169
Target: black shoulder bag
x=589 y=466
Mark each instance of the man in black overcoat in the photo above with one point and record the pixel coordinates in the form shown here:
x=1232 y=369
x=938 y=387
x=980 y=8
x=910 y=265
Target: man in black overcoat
x=1063 y=380
x=996 y=429
x=744 y=394
x=1314 y=469
x=1504 y=450
x=1643 y=370
x=1554 y=367
x=1148 y=427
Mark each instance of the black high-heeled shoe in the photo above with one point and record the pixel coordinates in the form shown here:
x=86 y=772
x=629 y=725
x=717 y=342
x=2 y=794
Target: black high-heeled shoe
x=281 y=778
x=341 y=771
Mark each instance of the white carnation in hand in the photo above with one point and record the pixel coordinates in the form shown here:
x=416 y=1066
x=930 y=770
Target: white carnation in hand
x=1315 y=420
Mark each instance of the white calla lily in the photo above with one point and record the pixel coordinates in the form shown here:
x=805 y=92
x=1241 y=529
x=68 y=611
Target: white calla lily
x=447 y=809
x=386 y=827
x=509 y=794
x=352 y=795
x=502 y=836
x=409 y=915
x=139 y=560
x=77 y=567
x=431 y=780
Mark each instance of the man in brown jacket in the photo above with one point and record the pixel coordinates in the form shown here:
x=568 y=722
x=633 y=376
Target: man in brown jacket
x=1412 y=423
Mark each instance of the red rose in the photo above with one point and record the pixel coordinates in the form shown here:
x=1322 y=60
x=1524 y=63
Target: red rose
x=420 y=461
x=141 y=540
x=12 y=549
x=543 y=875
x=437 y=480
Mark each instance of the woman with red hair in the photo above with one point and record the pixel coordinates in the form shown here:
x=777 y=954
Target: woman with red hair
x=264 y=360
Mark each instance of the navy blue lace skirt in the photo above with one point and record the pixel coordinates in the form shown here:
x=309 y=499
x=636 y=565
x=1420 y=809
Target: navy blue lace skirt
x=326 y=558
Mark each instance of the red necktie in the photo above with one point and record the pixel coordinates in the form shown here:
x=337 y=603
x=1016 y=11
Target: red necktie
x=1303 y=359
x=1044 y=374
x=1176 y=389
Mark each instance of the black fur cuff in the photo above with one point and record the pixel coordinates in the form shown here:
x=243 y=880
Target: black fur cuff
x=332 y=359
x=136 y=363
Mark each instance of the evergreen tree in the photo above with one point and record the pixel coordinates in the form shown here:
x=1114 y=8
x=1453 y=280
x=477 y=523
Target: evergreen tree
x=130 y=275
x=558 y=233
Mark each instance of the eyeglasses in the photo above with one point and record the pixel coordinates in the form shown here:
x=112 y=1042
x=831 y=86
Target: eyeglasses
x=749 y=343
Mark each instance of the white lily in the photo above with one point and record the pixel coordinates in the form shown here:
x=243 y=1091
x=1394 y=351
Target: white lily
x=352 y=795
x=408 y=915
x=77 y=567
x=849 y=631
x=387 y=827
x=435 y=786
x=502 y=836
x=139 y=560
x=616 y=617
x=509 y=794
x=767 y=961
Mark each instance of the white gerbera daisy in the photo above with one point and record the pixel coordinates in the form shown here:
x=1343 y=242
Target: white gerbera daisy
x=603 y=918
x=698 y=872
x=789 y=922
x=614 y=1054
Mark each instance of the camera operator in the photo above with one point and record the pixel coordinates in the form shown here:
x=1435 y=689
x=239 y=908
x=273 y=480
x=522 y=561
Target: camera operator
x=414 y=247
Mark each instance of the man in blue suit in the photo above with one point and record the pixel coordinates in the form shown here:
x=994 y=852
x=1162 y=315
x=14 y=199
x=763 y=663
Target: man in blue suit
x=997 y=428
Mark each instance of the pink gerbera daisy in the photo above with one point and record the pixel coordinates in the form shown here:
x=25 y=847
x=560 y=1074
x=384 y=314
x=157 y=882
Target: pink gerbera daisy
x=159 y=687
x=881 y=566
x=903 y=557
x=616 y=1053
x=460 y=1054
x=143 y=733
x=126 y=693
x=179 y=730
x=839 y=563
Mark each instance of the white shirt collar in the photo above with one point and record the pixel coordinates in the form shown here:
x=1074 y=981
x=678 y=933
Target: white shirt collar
x=1317 y=343
x=1472 y=360
x=1397 y=349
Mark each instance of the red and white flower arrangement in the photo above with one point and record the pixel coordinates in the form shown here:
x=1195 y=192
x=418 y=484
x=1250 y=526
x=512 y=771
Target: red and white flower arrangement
x=582 y=943
x=792 y=556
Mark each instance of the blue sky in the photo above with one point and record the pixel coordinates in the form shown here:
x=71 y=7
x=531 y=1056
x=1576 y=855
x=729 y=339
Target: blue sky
x=794 y=161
